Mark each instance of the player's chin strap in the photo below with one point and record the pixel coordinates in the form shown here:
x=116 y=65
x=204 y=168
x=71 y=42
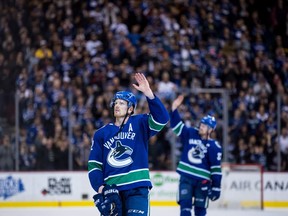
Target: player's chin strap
x=208 y=134
x=122 y=124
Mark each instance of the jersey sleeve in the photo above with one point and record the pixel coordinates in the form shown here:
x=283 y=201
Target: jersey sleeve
x=178 y=126
x=158 y=116
x=215 y=156
x=95 y=162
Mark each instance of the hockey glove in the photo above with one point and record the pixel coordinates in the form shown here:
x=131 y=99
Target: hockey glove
x=113 y=200
x=214 y=193
x=103 y=207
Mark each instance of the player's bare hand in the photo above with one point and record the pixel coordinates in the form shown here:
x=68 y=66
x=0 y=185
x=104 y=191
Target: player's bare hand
x=143 y=85
x=177 y=102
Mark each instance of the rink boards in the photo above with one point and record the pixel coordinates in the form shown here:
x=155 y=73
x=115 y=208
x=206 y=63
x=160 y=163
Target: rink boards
x=51 y=189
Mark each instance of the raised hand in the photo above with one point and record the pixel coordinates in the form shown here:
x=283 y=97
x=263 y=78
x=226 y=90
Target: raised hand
x=143 y=85
x=177 y=102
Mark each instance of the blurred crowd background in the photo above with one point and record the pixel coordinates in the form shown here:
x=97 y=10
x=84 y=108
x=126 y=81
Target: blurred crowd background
x=86 y=50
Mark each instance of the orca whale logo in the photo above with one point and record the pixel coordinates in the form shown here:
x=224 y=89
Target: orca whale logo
x=196 y=154
x=116 y=156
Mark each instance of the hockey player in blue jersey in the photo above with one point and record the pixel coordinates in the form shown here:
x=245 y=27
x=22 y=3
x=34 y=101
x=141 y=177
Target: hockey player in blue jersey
x=200 y=163
x=118 y=164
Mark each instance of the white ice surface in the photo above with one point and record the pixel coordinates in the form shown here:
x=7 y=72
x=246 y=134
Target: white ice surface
x=155 y=211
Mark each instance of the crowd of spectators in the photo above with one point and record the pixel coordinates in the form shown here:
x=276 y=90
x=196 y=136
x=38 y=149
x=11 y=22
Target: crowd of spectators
x=52 y=51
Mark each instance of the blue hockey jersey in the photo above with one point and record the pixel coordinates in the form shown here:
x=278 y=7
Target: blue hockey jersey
x=200 y=159
x=122 y=159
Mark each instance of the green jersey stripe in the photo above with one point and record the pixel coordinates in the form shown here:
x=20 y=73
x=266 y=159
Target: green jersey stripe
x=94 y=165
x=215 y=170
x=178 y=128
x=128 y=178
x=192 y=174
x=154 y=125
x=194 y=170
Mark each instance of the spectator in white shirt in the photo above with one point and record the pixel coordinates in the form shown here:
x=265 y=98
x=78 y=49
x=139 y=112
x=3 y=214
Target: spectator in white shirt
x=166 y=89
